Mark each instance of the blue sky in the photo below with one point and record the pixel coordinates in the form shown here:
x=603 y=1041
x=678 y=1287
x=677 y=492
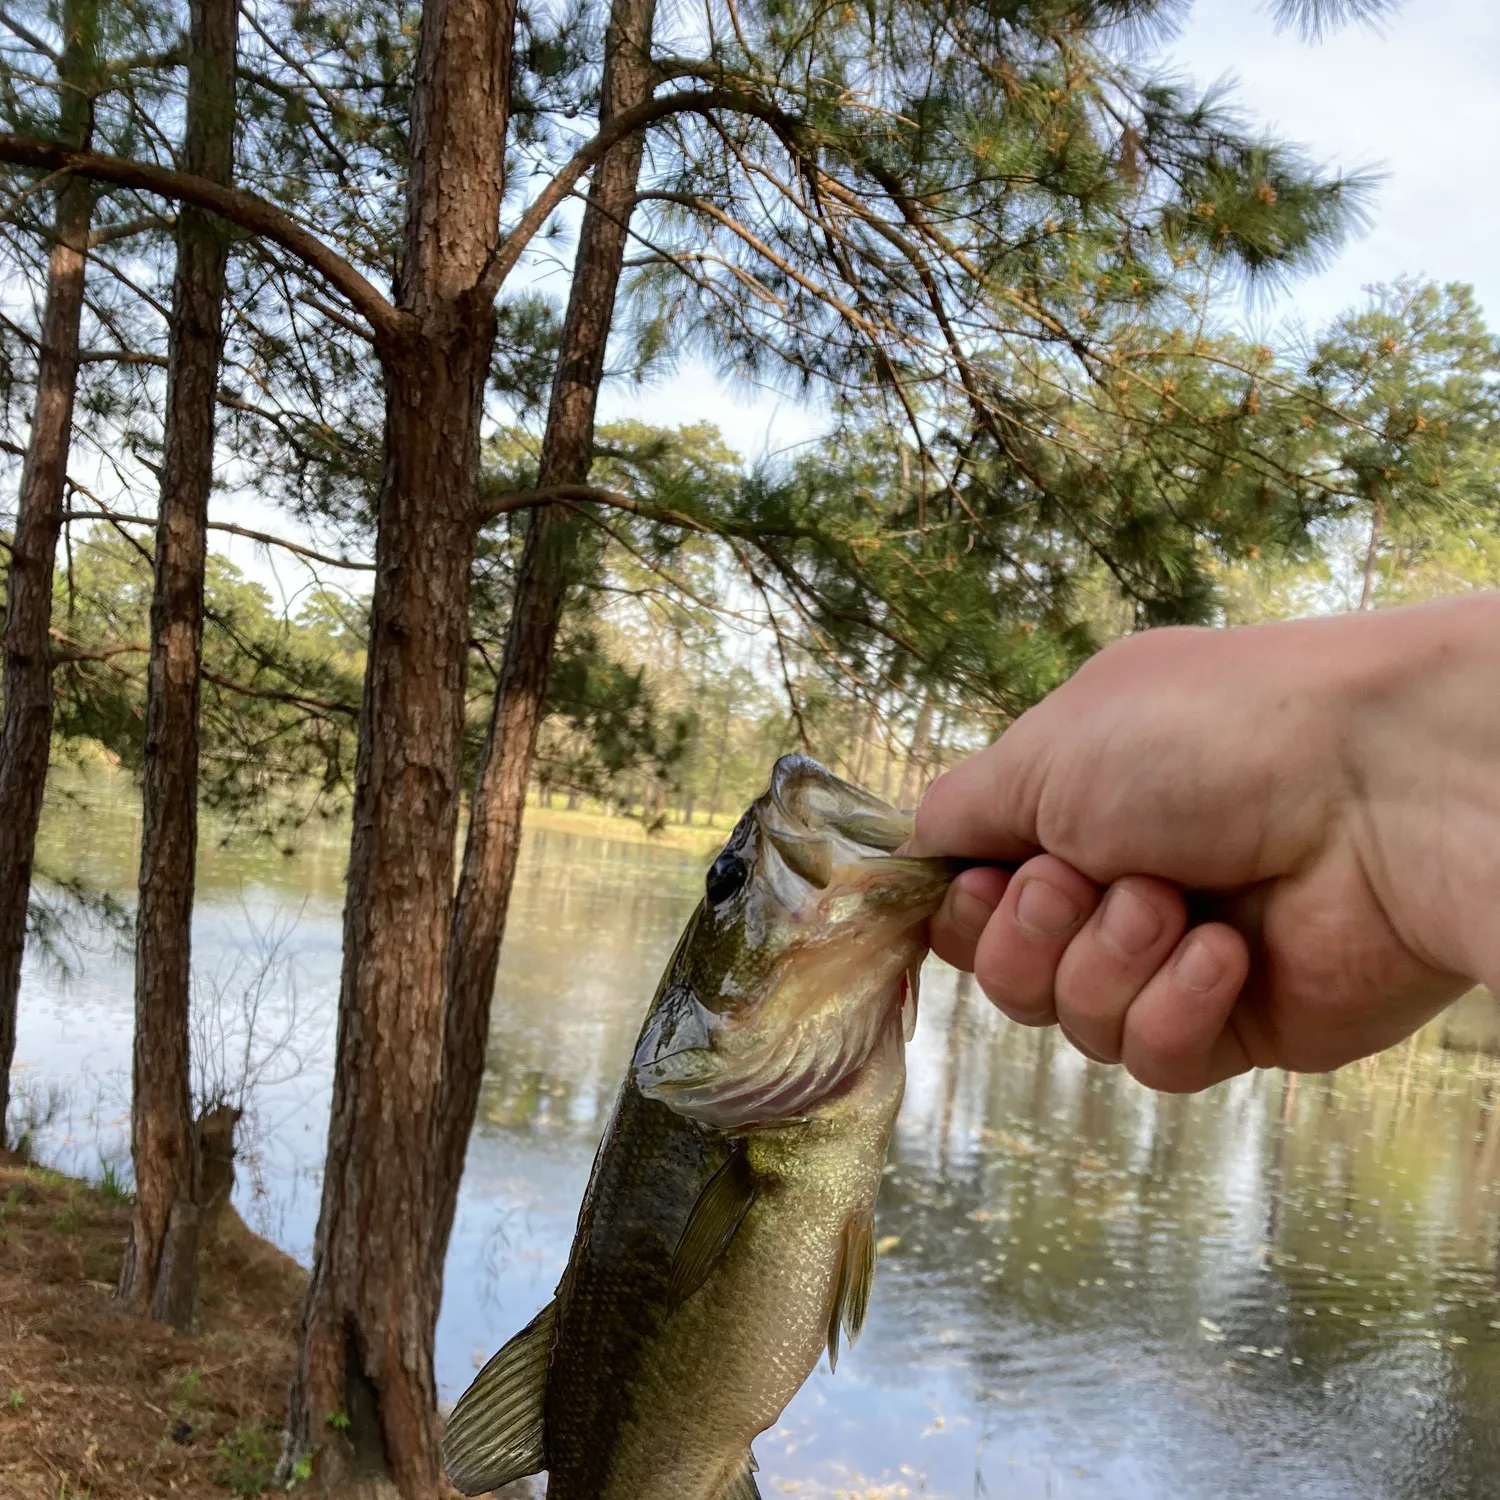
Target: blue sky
x=1418 y=100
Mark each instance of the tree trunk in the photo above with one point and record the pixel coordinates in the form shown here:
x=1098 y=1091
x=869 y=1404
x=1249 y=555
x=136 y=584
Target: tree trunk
x=26 y=729
x=713 y=796
x=914 y=775
x=1372 y=553
x=162 y=1139
x=547 y=566
x=364 y=1396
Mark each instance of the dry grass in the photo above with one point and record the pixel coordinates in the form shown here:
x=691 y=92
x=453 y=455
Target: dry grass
x=96 y=1403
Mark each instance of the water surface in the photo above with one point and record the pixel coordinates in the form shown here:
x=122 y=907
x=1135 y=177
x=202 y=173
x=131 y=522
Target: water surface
x=1283 y=1287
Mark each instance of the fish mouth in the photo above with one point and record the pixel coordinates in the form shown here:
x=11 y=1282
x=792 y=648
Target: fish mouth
x=831 y=843
x=833 y=912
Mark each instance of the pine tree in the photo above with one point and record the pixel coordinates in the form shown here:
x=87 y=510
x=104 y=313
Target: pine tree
x=160 y=1270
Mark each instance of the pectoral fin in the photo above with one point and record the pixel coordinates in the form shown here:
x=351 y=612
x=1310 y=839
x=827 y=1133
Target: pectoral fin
x=911 y=989
x=743 y=1486
x=851 y=1296
x=718 y=1213
x=496 y=1433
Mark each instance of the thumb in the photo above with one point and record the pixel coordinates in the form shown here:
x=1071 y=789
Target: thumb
x=984 y=808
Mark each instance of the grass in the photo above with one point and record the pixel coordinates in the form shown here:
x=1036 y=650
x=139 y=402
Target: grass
x=696 y=838
x=107 y=1405
x=247 y=1459
x=111 y=1185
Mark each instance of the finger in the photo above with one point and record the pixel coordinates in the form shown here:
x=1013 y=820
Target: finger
x=970 y=902
x=985 y=806
x=1115 y=954
x=1016 y=958
x=1178 y=1035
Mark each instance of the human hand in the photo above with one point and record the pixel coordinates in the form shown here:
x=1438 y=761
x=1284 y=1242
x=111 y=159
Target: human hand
x=1273 y=847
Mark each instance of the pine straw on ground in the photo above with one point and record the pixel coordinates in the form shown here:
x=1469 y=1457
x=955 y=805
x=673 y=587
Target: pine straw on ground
x=96 y=1403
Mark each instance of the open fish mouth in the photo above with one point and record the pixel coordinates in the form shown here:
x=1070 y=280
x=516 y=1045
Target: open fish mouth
x=801 y=956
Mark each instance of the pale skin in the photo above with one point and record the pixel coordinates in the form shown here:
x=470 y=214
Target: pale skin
x=1234 y=849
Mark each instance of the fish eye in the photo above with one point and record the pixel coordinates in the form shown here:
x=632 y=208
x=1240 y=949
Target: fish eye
x=725 y=877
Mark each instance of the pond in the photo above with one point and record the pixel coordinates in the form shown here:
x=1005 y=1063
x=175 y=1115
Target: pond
x=1283 y=1287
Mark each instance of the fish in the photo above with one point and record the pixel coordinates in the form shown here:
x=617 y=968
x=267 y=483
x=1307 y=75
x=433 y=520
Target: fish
x=726 y=1238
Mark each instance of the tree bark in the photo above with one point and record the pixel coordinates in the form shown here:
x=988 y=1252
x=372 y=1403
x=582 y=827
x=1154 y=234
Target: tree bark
x=162 y=1137
x=26 y=729
x=365 y=1357
x=547 y=566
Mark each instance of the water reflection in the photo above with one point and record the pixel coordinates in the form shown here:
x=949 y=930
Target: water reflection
x=1283 y=1287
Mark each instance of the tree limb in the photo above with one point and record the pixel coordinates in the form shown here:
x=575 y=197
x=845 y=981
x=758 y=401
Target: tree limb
x=112 y=232
x=246 y=210
x=590 y=494
x=265 y=538
x=626 y=123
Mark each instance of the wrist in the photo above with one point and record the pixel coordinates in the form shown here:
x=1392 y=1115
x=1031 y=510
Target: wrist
x=1419 y=704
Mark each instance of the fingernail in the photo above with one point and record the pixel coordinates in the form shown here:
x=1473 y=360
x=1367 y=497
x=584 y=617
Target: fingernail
x=1129 y=923
x=1199 y=967
x=970 y=913
x=1043 y=911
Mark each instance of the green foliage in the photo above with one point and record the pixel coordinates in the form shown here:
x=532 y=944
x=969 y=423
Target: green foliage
x=279 y=696
x=247 y=1459
x=187 y=1389
x=67 y=915
x=69 y=1220
x=1399 y=412
x=1315 y=18
x=34 y=1109
x=111 y=1185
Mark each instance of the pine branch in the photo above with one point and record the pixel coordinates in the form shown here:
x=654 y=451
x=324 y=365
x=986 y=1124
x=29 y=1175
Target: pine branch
x=590 y=494
x=77 y=651
x=110 y=233
x=31 y=39
x=1316 y=18
x=246 y=210
x=626 y=123
x=265 y=538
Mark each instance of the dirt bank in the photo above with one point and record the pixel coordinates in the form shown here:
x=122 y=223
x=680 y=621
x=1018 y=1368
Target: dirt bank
x=96 y=1403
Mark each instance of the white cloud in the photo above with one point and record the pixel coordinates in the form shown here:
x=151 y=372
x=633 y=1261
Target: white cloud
x=1418 y=100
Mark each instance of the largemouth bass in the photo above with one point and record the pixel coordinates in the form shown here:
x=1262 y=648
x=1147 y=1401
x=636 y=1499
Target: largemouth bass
x=727 y=1234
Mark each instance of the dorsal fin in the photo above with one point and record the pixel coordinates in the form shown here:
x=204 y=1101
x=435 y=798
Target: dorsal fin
x=743 y=1486
x=720 y=1208
x=496 y=1432
x=851 y=1293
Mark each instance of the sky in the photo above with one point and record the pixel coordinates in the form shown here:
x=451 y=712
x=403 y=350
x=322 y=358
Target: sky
x=1418 y=100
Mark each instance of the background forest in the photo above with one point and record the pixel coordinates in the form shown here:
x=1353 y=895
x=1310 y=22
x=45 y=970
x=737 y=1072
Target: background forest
x=340 y=286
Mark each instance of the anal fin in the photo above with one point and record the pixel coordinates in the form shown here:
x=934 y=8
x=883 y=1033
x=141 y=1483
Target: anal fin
x=711 y=1226
x=497 y=1432
x=856 y=1275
